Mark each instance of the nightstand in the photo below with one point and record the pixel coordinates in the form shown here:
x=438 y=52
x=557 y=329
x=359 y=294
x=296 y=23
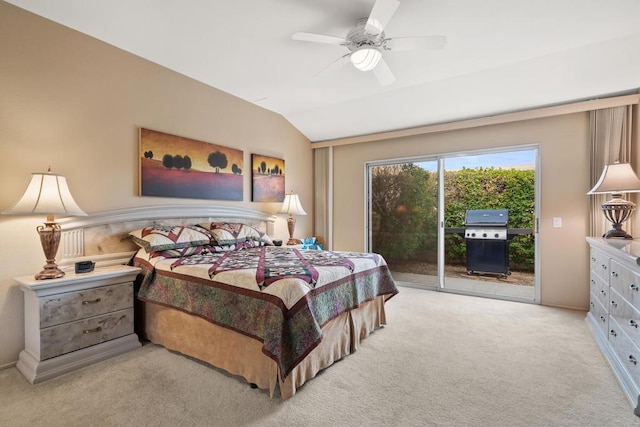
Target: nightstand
x=76 y=320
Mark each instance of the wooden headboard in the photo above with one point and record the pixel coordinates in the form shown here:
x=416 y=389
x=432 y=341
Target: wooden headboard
x=102 y=237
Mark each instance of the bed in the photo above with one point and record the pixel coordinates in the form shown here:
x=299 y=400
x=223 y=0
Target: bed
x=275 y=316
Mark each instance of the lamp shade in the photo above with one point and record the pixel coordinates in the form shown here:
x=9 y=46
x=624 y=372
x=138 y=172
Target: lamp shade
x=292 y=205
x=617 y=178
x=365 y=58
x=46 y=194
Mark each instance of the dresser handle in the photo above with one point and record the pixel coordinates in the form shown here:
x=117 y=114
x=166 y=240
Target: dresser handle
x=593 y=282
x=603 y=292
x=633 y=359
x=95 y=301
x=613 y=303
x=604 y=267
x=633 y=287
x=633 y=323
x=613 y=332
x=604 y=319
x=614 y=274
x=92 y=331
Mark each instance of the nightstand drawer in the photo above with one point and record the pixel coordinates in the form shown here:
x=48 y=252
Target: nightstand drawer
x=72 y=306
x=72 y=336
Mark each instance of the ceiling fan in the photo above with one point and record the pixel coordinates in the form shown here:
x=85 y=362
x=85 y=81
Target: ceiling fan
x=366 y=41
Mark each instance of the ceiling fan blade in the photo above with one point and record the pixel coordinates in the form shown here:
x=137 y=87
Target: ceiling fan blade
x=383 y=73
x=380 y=15
x=318 y=38
x=410 y=43
x=338 y=63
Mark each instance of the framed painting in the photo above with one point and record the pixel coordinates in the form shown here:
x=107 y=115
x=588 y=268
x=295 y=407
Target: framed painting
x=267 y=179
x=174 y=166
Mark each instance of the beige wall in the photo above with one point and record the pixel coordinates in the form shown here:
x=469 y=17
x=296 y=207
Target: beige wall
x=73 y=103
x=564 y=159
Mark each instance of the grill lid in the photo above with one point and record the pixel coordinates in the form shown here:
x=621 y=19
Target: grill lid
x=487 y=217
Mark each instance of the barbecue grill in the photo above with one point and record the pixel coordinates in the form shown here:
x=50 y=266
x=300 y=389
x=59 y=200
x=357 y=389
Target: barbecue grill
x=487 y=241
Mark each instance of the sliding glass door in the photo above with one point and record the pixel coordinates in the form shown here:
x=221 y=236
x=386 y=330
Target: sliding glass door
x=416 y=220
x=403 y=217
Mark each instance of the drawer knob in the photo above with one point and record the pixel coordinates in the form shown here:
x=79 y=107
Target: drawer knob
x=95 y=301
x=603 y=292
x=613 y=333
x=614 y=304
x=591 y=302
x=604 y=319
x=633 y=287
x=633 y=359
x=604 y=267
x=92 y=331
x=633 y=323
x=614 y=274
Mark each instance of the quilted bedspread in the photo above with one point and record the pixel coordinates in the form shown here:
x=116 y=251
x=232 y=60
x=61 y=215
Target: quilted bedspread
x=280 y=296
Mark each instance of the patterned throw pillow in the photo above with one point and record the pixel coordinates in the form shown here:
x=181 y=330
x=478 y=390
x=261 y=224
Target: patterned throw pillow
x=226 y=233
x=162 y=238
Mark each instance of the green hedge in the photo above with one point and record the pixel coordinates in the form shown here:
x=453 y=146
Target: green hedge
x=404 y=210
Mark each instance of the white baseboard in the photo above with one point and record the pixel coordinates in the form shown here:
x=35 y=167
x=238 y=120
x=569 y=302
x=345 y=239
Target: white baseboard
x=8 y=365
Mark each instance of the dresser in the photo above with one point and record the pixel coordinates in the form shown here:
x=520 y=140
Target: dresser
x=614 y=309
x=76 y=320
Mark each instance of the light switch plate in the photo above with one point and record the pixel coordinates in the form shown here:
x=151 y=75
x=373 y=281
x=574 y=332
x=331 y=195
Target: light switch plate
x=557 y=222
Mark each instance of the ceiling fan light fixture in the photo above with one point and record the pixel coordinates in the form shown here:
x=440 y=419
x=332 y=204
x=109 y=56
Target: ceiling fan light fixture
x=365 y=58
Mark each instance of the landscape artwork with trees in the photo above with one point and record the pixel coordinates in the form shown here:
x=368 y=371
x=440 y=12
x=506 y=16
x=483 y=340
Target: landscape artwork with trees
x=174 y=166
x=267 y=179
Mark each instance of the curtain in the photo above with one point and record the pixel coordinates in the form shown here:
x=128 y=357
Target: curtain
x=610 y=142
x=323 y=194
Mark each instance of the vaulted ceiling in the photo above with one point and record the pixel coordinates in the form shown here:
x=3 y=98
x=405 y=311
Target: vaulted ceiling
x=500 y=55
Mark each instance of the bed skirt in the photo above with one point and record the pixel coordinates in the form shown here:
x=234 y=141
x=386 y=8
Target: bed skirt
x=241 y=355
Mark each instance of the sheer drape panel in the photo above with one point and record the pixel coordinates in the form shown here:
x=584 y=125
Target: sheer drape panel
x=323 y=174
x=610 y=142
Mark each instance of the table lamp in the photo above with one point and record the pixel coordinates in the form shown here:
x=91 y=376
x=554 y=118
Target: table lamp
x=47 y=194
x=617 y=178
x=292 y=206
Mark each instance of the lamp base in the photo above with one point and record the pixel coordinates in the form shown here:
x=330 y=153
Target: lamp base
x=291 y=226
x=49 y=272
x=50 y=239
x=617 y=233
x=617 y=210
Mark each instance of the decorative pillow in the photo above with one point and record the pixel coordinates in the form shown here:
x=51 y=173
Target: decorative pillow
x=179 y=253
x=225 y=233
x=162 y=238
x=310 y=243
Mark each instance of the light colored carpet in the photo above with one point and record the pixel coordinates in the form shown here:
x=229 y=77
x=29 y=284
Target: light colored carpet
x=443 y=360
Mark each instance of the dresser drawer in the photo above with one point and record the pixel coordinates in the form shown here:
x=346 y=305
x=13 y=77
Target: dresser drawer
x=72 y=336
x=626 y=351
x=625 y=315
x=72 y=306
x=626 y=282
x=599 y=288
x=599 y=312
x=600 y=264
